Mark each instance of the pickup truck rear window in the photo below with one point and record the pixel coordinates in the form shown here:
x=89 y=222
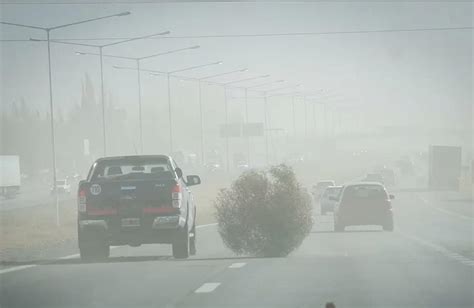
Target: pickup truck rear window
x=133 y=169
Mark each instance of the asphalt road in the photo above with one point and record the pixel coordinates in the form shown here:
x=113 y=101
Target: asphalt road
x=427 y=262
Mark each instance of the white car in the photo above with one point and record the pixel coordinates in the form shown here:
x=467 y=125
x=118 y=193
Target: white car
x=327 y=202
x=320 y=187
x=62 y=186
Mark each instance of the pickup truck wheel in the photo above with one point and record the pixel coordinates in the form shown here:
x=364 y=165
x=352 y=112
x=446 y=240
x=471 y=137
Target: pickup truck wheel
x=338 y=227
x=181 y=244
x=94 y=251
x=192 y=241
x=388 y=226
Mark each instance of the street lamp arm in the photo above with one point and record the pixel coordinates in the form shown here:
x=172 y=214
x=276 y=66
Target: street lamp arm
x=107 y=56
x=88 y=20
x=20 y=25
x=137 y=38
x=168 y=52
x=194 y=67
x=67 y=43
x=283 y=88
x=223 y=74
x=141 y=69
x=295 y=94
x=265 y=84
x=246 y=79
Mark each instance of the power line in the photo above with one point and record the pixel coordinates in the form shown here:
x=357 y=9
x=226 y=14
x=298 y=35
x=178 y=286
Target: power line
x=93 y=2
x=141 y=2
x=287 y=34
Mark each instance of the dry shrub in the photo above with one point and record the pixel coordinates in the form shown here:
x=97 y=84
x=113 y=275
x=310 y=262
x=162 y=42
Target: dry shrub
x=264 y=213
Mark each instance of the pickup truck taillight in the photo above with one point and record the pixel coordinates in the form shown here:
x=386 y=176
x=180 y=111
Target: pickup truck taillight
x=82 y=201
x=176 y=196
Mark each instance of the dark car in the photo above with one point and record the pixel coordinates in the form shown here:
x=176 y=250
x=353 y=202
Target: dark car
x=136 y=200
x=363 y=204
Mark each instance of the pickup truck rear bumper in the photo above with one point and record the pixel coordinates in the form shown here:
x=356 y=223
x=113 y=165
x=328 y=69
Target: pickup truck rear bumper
x=160 y=229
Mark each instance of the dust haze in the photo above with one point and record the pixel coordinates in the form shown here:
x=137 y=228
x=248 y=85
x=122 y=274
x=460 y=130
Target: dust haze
x=346 y=92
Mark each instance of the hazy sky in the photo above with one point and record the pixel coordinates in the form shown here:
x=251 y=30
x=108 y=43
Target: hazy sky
x=413 y=76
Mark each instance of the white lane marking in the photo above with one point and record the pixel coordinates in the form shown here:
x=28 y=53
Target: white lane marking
x=445 y=211
x=237 y=265
x=205 y=226
x=16 y=268
x=453 y=213
x=207 y=287
x=23 y=267
x=70 y=257
x=440 y=249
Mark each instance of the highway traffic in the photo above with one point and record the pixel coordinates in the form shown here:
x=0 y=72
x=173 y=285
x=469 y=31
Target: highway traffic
x=426 y=262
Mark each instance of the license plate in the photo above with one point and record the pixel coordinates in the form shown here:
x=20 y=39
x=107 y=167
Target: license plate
x=130 y=222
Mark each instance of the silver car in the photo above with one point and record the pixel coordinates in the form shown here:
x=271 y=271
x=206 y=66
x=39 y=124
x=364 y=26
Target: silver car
x=327 y=201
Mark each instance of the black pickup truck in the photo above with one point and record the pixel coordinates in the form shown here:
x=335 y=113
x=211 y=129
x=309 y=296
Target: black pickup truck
x=134 y=200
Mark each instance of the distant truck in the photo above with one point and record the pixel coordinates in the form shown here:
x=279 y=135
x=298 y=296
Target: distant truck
x=10 y=179
x=444 y=167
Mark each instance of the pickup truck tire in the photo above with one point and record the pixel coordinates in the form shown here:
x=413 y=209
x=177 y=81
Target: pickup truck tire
x=181 y=244
x=94 y=251
x=338 y=227
x=388 y=226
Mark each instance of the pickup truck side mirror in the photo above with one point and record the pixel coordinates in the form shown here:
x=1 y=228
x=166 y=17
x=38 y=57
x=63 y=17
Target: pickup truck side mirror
x=179 y=172
x=192 y=180
x=391 y=197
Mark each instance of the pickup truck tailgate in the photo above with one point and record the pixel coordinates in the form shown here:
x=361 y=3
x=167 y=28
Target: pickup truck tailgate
x=131 y=198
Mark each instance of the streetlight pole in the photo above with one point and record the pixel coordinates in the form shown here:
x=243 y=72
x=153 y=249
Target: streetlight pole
x=267 y=121
x=137 y=60
x=267 y=128
x=226 y=130
x=201 y=105
x=50 y=81
x=246 y=108
x=138 y=69
x=51 y=118
x=104 y=134
x=140 y=105
x=315 y=128
x=170 y=117
x=247 y=121
x=305 y=117
x=168 y=75
x=170 y=113
x=293 y=115
x=201 y=121
x=101 y=59
x=265 y=125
